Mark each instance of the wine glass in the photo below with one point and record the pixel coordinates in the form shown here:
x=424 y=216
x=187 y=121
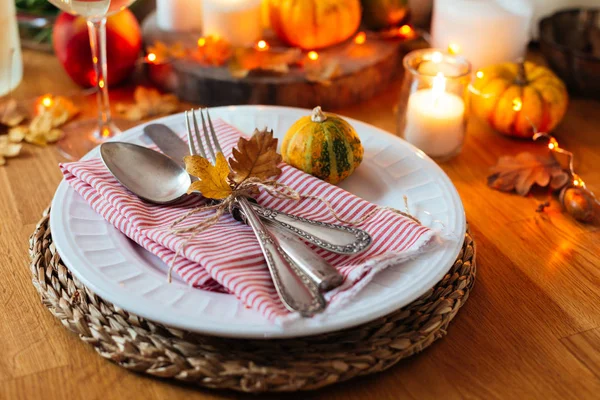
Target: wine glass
x=82 y=136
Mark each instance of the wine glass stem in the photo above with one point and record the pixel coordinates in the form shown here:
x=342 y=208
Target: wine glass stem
x=97 y=31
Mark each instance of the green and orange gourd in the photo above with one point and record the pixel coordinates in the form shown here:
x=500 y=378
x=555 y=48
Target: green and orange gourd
x=323 y=145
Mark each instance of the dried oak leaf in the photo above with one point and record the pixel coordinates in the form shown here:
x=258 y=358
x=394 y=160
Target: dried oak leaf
x=323 y=72
x=245 y=60
x=212 y=179
x=11 y=114
x=520 y=173
x=148 y=103
x=256 y=157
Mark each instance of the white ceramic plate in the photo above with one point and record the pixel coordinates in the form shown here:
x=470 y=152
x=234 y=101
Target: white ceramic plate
x=120 y=271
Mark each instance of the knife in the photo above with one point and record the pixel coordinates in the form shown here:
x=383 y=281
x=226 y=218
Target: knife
x=281 y=224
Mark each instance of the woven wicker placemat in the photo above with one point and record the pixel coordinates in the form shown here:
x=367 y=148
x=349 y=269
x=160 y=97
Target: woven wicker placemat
x=246 y=365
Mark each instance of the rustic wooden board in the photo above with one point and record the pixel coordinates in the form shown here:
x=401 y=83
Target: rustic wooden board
x=365 y=70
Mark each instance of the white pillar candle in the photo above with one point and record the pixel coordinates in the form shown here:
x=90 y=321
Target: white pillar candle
x=485 y=32
x=237 y=21
x=11 y=64
x=179 y=15
x=435 y=120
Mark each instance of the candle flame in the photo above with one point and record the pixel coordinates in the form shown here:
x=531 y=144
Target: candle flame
x=151 y=57
x=439 y=84
x=262 y=45
x=454 y=48
x=202 y=42
x=438 y=87
x=360 y=38
x=313 y=55
x=553 y=144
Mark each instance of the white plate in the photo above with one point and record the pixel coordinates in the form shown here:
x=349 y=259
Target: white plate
x=120 y=271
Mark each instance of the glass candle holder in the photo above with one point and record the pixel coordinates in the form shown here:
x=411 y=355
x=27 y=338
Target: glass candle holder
x=432 y=112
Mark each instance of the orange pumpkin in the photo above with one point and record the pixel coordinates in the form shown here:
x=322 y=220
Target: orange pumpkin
x=515 y=99
x=314 y=24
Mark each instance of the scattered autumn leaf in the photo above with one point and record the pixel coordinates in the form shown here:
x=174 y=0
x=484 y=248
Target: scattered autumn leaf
x=148 y=103
x=8 y=149
x=322 y=72
x=520 y=173
x=11 y=114
x=256 y=157
x=245 y=60
x=17 y=134
x=212 y=51
x=212 y=179
x=164 y=52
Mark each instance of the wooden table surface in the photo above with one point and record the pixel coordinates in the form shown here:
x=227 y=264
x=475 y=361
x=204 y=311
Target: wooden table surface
x=531 y=328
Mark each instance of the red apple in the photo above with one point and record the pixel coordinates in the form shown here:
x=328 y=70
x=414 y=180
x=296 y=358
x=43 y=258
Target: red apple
x=72 y=47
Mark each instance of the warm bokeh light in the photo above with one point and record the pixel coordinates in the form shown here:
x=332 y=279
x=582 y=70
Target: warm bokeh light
x=517 y=104
x=454 y=48
x=405 y=30
x=479 y=74
x=47 y=101
x=262 y=45
x=437 y=57
x=105 y=133
x=202 y=42
x=360 y=38
x=313 y=55
x=101 y=83
x=553 y=144
x=151 y=57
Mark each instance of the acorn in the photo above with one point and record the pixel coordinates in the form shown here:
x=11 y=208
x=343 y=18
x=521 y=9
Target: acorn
x=580 y=203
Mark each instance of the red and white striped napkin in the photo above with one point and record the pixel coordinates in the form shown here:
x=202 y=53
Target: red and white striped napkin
x=226 y=257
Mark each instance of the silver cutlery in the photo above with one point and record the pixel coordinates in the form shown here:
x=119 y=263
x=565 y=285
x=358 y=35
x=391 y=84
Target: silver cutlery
x=158 y=179
x=296 y=290
x=332 y=237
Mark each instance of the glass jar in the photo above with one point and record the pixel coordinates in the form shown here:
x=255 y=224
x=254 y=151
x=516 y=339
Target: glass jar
x=432 y=112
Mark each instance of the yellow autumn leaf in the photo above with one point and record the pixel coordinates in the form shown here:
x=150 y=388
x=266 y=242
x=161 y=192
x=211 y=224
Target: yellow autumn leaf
x=212 y=181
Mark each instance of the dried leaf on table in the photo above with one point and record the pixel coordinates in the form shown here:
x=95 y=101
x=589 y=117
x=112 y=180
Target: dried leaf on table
x=11 y=114
x=322 y=72
x=62 y=110
x=164 y=52
x=148 y=103
x=245 y=60
x=256 y=157
x=17 y=134
x=520 y=173
x=212 y=51
x=212 y=181
x=8 y=149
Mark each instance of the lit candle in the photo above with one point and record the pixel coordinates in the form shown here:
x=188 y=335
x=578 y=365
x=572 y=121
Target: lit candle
x=485 y=32
x=435 y=119
x=179 y=15
x=236 y=21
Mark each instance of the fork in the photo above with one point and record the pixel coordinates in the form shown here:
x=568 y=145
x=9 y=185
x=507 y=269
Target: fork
x=296 y=290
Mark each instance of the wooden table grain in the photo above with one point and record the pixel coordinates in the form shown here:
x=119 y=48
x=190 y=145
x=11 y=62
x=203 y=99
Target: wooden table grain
x=531 y=328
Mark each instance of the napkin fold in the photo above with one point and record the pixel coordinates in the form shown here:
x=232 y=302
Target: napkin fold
x=226 y=257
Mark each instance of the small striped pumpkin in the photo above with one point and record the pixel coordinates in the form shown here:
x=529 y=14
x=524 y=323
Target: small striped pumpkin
x=323 y=145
